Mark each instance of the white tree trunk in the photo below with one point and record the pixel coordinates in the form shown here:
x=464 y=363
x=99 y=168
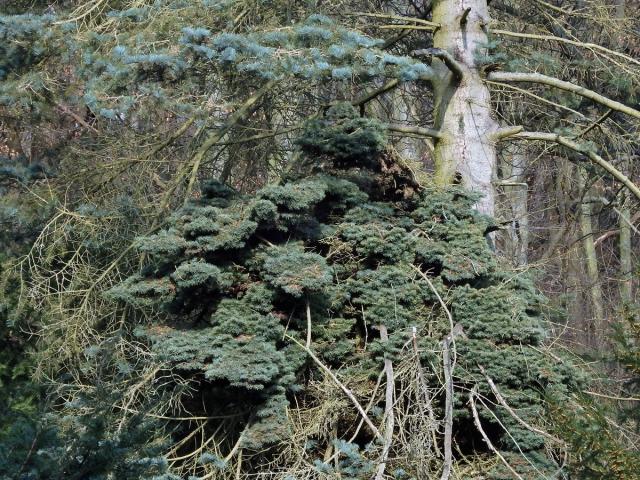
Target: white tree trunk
x=516 y=194
x=463 y=106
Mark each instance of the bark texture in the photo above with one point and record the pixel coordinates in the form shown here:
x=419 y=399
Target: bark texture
x=463 y=105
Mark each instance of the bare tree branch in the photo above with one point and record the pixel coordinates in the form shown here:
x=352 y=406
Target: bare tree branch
x=562 y=85
x=594 y=157
x=388 y=408
x=486 y=439
x=451 y=63
x=411 y=130
x=590 y=46
x=346 y=391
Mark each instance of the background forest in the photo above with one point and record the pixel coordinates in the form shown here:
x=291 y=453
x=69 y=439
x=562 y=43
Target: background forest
x=319 y=239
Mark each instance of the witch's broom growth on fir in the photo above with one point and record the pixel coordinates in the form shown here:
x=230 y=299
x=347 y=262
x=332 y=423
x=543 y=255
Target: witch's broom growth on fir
x=266 y=294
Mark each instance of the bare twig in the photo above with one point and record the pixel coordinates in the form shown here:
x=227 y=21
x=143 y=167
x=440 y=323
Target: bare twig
x=346 y=391
x=594 y=157
x=486 y=439
x=519 y=419
x=308 y=324
x=388 y=408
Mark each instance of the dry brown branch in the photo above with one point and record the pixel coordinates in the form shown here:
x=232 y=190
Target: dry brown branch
x=426 y=23
x=587 y=45
x=519 y=419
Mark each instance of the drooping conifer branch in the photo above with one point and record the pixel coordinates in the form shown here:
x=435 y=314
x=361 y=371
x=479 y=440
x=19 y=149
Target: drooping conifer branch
x=562 y=85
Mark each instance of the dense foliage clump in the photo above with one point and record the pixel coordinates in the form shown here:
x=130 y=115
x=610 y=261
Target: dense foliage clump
x=331 y=257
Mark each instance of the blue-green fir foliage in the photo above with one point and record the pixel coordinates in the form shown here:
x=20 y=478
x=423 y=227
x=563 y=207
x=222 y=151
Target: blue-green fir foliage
x=235 y=275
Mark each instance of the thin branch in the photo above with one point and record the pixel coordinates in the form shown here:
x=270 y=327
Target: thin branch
x=308 y=324
x=575 y=43
x=503 y=402
x=596 y=124
x=245 y=109
x=594 y=157
x=432 y=25
x=476 y=420
x=346 y=391
x=630 y=221
x=388 y=407
x=448 y=408
x=411 y=130
x=562 y=85
x=448 y=360
x=506 y=132
x=539 y=98
x=367 y=97
x=405 y=27
x=611 y=397
x=446 y=57
x=171 y=138
x=442 y=304
x=76 y=117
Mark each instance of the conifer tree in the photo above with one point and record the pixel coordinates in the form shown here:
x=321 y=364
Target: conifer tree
x=140 y=103
x=265 y=293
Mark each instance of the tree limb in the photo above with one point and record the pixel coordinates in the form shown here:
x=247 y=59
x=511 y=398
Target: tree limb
x=562 y=85
x=451 y=63
x=420 y=131
x=367 y=97
x=575 y=43
x=594 y=157
x=246 y=108
x=503 y=402
x=426 y=23
x=388 y=408
x=476 y=420
x=337 y=381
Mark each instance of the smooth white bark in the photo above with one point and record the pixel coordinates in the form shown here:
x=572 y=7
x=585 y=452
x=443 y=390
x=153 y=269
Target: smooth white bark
x=463 y=111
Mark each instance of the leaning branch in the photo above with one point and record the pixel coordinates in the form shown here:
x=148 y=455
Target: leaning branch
x=247 y=107
x=411 y=130
x=562 y=85
x=420 y=21
x=388 y=408
x=594 y=157
x=506 y=406
x=346 y=391
x=451 y=63
x=368 y=96
x=487 y=441
x=551 y=38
